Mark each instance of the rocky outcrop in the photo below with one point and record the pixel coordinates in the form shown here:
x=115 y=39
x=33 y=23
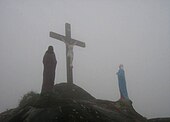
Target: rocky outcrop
x=70 y=103
x=159 y=120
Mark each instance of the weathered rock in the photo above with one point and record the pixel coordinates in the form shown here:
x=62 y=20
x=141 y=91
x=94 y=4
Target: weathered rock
x=70 y=103
x=159 y=120
x=71 y=91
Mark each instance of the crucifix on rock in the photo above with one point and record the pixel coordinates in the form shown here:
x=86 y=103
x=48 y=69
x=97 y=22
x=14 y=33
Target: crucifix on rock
x=69 y=49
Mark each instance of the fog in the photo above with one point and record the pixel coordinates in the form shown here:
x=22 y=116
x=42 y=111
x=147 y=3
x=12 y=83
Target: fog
x=135 y=33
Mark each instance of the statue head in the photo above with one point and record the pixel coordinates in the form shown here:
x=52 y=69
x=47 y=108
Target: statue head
x=50 y=49
x=121 y=66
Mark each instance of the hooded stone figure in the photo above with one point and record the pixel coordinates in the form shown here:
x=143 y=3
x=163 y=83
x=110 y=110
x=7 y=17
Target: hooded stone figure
x=49 y=61
x=122 y=83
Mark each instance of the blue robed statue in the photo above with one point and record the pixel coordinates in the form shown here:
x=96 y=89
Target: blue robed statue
x=122 y=83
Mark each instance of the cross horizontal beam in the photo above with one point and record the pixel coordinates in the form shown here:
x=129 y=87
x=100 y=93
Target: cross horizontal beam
x=64 y=38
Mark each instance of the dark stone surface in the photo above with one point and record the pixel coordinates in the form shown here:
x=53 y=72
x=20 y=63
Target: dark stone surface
x=71 y=91
x=70 y=103
x=159 y=120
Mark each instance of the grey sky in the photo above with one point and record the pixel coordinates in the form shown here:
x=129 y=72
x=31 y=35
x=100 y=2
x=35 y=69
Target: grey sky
x=135 y=33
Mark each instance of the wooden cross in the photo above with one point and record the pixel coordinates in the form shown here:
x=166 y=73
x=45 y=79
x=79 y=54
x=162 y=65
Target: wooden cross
x=69 y=49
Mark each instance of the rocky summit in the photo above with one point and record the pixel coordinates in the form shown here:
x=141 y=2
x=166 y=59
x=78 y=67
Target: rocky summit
x=70 y=103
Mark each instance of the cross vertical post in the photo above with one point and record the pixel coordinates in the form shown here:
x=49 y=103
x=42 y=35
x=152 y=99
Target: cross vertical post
x=69 y=69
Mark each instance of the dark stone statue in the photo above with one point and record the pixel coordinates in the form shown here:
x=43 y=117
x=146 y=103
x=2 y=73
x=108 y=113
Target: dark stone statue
x=49 y=62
